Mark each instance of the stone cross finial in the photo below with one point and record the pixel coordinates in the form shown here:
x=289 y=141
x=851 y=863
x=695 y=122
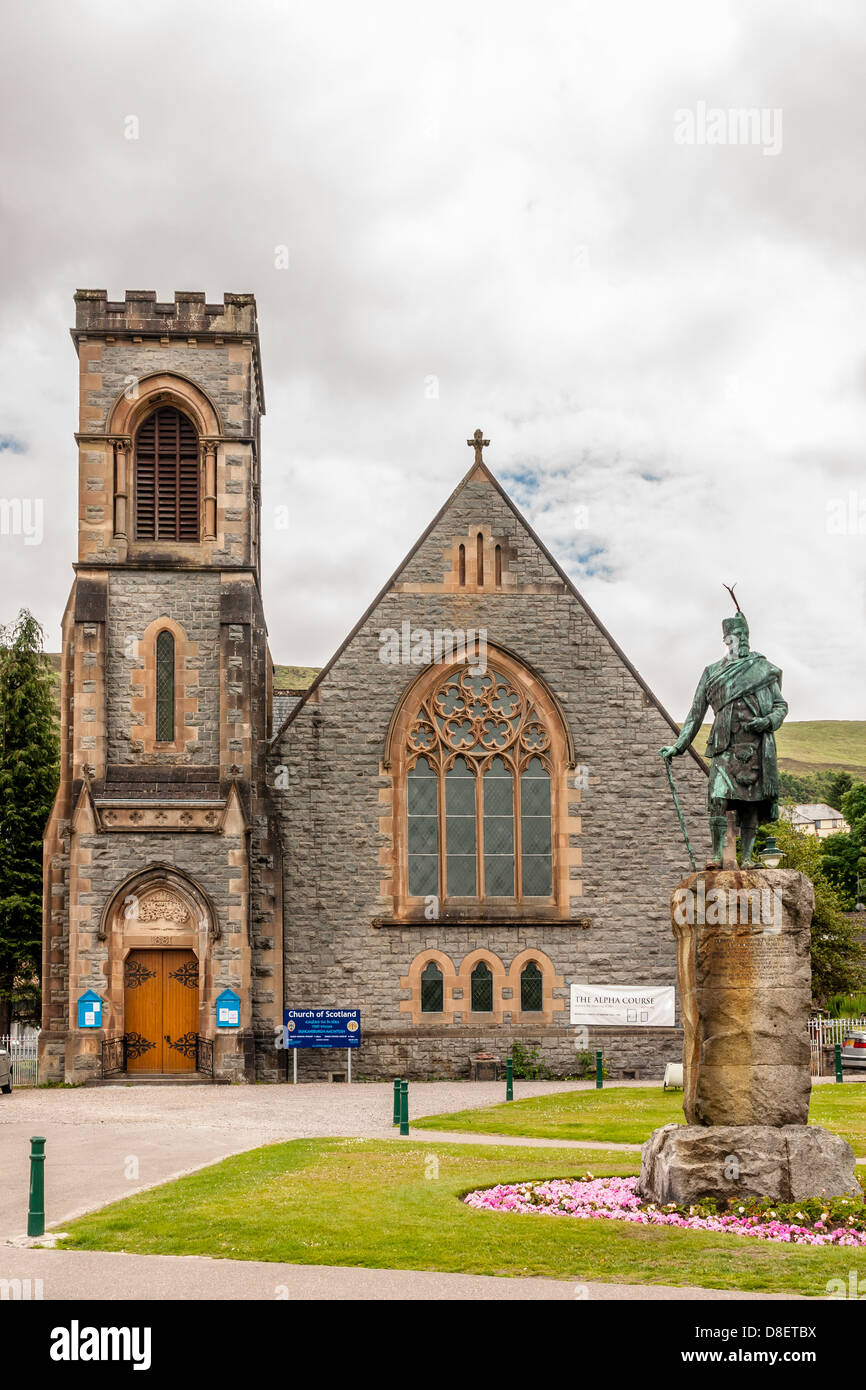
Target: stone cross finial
x=478 y=442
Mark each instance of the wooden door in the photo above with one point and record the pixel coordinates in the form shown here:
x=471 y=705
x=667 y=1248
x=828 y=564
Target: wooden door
x=179 y=1010
x=161 y=1010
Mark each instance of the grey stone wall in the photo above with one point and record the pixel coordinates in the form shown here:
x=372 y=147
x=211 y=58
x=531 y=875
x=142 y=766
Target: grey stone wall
x=435 y=1054
x=136 y=599
x=209 y=367
x=633 y=852
x=204 y=857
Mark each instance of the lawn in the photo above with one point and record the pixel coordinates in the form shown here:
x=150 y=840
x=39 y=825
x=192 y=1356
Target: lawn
x=394 y=1204
x=627 y=1115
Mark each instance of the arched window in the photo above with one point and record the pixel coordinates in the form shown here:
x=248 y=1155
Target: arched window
x=165 y=687
x=461 y=565
x=432 y=989
x=482 y=989
x=479 y=792
x=497 y=571
x=531 y=989
x=479 y=558
x=167 y=477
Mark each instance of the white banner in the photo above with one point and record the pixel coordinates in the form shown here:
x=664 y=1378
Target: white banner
x=624 y=1006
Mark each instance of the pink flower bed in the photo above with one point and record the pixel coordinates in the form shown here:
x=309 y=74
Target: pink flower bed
x=616 y=1199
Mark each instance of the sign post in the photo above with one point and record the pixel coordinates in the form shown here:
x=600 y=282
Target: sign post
x=337 y=1028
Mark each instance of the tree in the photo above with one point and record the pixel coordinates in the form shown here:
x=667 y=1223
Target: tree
x=853 y=808
x=844 y=862
x=29 y=773
x=838 y=785
x=837 y=956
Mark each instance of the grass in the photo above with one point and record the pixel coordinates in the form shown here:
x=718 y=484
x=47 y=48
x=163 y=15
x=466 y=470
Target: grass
x=381 y=1204
x=627 y=1115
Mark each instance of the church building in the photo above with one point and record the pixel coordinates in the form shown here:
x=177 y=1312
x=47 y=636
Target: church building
x=462 y=816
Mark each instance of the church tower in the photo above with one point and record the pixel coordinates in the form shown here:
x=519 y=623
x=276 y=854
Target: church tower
x=151 y=904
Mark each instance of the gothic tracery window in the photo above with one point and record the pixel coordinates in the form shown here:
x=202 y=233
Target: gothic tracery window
x=479 y=792
x=167 y=477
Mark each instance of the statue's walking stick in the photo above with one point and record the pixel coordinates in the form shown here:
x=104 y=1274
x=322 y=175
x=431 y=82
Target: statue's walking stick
x=679 y=812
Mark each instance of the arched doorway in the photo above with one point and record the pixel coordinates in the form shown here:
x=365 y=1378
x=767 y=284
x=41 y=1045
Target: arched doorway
x=161 y=1012
x=160 y=926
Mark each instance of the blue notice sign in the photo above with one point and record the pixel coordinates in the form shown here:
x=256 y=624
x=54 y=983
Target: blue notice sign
x=90 y=1010
x=322 y=1028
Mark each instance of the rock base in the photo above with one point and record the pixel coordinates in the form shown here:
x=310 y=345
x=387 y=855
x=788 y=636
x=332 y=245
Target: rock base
x=685 y=1163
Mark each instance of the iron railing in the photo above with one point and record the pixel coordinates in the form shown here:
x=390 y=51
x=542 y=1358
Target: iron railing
x=826 y=1033
x=23 y=1049
x=204 y=1055
x=114 y=1055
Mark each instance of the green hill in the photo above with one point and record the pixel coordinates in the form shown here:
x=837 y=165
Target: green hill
x=817 y=745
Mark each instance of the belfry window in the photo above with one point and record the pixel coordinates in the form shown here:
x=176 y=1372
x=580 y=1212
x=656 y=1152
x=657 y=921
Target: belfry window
x=479 y=792
x=167 y=477
x=165 y=687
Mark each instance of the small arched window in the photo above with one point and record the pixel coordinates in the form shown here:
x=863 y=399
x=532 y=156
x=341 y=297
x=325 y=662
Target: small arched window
x=482 y=989
x=531 y=989
x=165 y=687
x=461 y=565
x=167 y=477
x=498 y=566
x=479 y=557
x=432 y=989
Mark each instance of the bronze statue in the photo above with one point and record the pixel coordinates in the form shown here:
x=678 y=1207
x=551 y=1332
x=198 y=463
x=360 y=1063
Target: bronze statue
x=744 y=691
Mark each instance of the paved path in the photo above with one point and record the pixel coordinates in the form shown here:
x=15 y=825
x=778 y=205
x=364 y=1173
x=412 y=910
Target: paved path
x=108 y=1142
x=86 y=1274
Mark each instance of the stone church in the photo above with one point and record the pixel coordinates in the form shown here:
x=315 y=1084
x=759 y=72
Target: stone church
x=463 y=814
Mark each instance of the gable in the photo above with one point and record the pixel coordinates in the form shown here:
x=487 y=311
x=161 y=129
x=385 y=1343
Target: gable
x=481 y=517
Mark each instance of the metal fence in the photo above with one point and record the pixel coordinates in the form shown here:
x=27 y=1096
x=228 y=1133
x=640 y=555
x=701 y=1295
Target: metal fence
x=24 y=1050
x=824 y=1034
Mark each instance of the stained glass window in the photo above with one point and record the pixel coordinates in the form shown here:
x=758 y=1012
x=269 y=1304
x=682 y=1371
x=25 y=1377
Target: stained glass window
x=531 y=989
x=423 y=813
x=432 y=989
x=460 y=830
x=478 y=791
x=482 y=989
x=536 y=847
x=165 y=687
x=498 y=831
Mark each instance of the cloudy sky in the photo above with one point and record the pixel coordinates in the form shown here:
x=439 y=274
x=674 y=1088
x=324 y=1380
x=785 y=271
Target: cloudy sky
x=498 y=215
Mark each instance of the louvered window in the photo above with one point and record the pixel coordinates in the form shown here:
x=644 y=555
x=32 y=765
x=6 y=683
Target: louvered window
x=165 y=687
x=167 y=478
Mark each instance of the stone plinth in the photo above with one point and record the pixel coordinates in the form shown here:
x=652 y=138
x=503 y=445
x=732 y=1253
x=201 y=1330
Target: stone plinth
x=684 y=1163
x=744 y=972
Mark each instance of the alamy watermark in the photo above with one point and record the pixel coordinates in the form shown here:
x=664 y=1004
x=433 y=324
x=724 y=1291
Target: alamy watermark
x=720 y=906
x=737 y=125
x=22 y=516
x=421 y=646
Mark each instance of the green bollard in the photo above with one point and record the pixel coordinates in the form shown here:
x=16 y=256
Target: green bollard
x=404 y=1107
x=36 y=1212
x=509 y=1079
x=396 y=1101
x=599 y=1071
x=838 y=1051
